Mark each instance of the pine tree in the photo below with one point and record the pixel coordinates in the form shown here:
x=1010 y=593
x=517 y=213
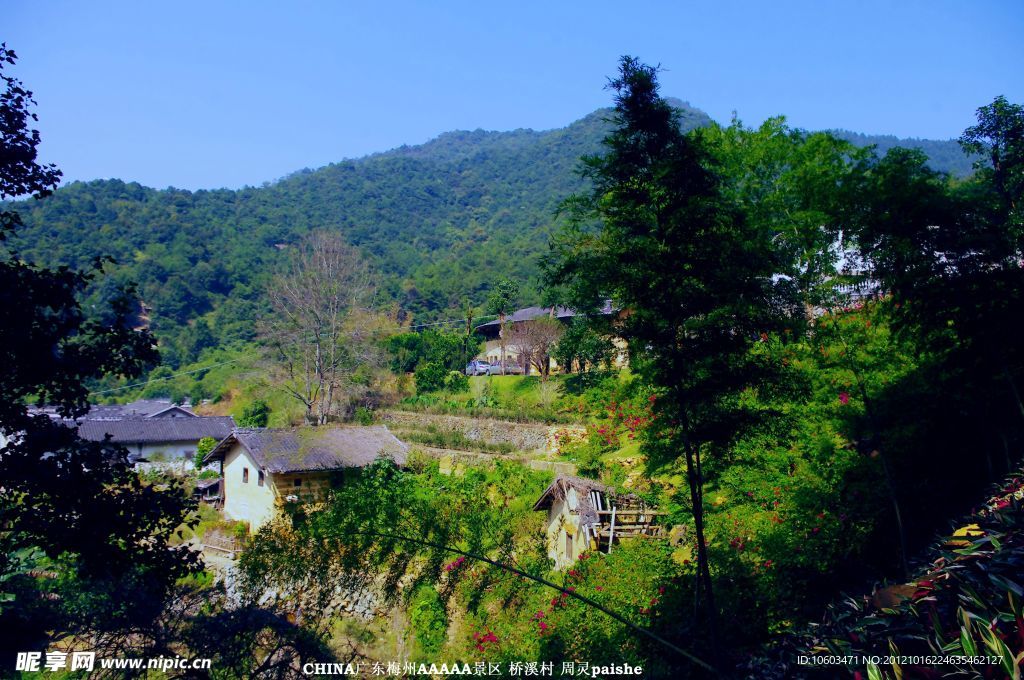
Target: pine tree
x=693 y=281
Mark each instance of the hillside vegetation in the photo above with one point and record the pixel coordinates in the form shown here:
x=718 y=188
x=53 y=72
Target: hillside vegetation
x=440 y=222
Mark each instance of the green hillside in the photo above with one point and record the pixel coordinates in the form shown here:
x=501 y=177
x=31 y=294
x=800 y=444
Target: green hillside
x=441 y=222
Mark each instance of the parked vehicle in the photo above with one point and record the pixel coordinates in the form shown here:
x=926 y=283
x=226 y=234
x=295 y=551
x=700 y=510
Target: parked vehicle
x=477 y=367
x=511 y=368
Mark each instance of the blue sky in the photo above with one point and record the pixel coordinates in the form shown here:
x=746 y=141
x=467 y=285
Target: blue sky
x=223 y=94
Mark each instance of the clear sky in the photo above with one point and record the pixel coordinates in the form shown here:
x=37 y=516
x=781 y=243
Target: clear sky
x=223 y=94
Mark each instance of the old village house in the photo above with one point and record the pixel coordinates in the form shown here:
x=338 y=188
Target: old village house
x=262 y=469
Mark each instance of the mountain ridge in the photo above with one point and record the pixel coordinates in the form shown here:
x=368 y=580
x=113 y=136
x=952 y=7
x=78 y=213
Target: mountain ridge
x=439 y=221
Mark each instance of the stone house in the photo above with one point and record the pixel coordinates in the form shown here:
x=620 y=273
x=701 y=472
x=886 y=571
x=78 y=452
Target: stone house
x=262 y=468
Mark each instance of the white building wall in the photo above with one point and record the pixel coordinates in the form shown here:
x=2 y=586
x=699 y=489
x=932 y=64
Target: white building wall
x=246 y=501
x=163 y=451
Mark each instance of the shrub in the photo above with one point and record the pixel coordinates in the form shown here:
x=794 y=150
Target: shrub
x=205 y=445
x=456 y=381
x=255 y=414
x=429 y=621
x=430 y=377
x=364 y=416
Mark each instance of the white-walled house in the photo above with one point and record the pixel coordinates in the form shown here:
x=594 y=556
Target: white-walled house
x=264 y=468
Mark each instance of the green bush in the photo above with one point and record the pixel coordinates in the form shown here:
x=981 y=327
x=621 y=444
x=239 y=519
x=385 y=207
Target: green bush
x=456 y=381
x=205 y=445
x=255 y=414
x=364 y=416
x=430 y=377
x=429 y=621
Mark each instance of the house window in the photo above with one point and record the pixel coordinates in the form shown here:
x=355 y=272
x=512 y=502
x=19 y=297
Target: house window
x=298 y=482
x=245 y=475
x=259 y=478
x=568 y=547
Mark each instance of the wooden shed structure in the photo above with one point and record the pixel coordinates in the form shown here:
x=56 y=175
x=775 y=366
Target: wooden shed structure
x=584 y=514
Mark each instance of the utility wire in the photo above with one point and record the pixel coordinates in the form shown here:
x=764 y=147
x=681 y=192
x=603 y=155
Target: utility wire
x=166 y=377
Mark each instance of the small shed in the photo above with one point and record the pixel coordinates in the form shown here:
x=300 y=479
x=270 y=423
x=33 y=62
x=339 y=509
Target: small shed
x=208 y=490
x=584 y=514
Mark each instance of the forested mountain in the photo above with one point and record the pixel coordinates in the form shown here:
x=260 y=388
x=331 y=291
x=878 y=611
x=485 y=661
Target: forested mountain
x=945 y=155
x=441 y=222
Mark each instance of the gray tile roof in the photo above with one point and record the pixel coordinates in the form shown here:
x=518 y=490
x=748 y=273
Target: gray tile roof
x=304 y=449
x=137 y=408
x=142 y=430
x=531 y=313
x=528 y=314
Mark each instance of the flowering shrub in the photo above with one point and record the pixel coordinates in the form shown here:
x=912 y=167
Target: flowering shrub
x=484 y=640
x=967 y=603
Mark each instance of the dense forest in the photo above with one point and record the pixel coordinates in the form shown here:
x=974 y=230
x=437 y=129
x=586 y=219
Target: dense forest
x=441 y=222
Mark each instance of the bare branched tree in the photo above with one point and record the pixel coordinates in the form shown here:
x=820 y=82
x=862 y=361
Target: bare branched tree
x=535 y=340
x=322 y=333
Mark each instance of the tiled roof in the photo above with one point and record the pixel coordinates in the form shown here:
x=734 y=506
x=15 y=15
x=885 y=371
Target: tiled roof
x=530 y=313
x=304 y=449
x=142 y=430
x=137 y=408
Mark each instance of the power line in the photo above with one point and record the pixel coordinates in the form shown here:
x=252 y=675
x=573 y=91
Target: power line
x=166 y=377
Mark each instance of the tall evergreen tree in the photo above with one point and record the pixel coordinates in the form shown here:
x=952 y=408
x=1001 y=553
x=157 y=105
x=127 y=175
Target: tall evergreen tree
x=692 y=278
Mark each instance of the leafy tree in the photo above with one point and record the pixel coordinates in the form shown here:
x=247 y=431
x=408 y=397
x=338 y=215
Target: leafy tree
x=795 y=185
x=410 y=350
x=581 y=348
x=430 y=377
x=205 y=445
x=406 y=350
x=255 y=414
x=999 y=139
x=949 y=257
x=76 y=505
x=693 y=277
x=502 y=301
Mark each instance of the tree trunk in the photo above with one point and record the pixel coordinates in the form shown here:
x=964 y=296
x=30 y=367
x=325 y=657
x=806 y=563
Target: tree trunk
x=696 y=481
x=501 y=340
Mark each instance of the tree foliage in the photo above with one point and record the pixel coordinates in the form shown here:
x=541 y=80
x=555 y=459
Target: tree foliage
x=693 y=277
x=255 y=414
x=73 y=507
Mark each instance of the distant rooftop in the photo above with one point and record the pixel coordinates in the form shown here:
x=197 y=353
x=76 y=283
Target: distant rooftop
x=531 y=313
x=143 y=430
x=140 y=408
